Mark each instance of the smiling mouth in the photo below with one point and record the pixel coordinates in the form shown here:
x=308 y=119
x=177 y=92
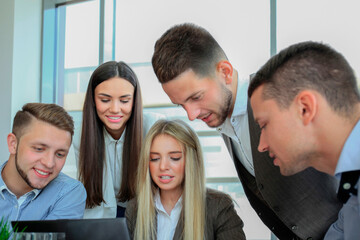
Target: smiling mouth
x=41 y=173
x=165 y=177
x=206 y=118
x=114 y=119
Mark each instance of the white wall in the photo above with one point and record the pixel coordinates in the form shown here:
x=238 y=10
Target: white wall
x=20 y=47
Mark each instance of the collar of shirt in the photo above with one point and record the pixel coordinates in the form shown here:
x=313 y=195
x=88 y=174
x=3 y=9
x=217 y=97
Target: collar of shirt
x=160 y=208
x=240 y=107
x=108 y=138
x=349 y=158
x=166 y=224
x=4 y=187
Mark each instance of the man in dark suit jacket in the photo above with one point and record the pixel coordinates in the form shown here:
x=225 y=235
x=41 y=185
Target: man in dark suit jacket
x=196 y=74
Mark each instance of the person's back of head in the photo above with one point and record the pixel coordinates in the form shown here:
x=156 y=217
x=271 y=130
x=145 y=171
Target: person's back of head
x=309 y=65
x=183 y=47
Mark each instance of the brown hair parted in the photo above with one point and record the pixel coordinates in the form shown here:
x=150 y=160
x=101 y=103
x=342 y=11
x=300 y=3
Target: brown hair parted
x=183 y=47
x=308 y=65
x=46 y=112
x=92 y=147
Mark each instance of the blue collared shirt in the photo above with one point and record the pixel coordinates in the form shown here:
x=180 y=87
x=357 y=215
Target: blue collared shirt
x=62 y=198
x=347 y=226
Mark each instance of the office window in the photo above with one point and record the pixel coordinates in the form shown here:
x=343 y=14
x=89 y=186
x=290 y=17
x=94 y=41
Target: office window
x=331 y=22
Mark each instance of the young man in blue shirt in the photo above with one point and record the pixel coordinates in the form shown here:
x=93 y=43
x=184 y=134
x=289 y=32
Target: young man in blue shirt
x=31 y=184
x=307 y=104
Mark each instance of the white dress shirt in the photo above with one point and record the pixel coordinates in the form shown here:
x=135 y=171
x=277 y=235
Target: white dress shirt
x=237 y=127
x=166 y=224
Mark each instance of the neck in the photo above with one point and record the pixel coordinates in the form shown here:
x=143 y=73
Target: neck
x=332 y=137
x=12 y=179
x=169 y=199
x=234 y=84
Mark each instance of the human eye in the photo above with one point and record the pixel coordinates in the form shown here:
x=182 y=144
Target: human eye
x=197 y=97
x=176 y=157
x=154 y=158
x=124 y=101
x=104 y=100
x=38 y=149
x=60 y=155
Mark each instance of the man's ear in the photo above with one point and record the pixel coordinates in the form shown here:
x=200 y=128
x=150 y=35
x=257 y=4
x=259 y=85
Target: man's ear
x=12 y=143
x=307 y=105
x=226 y=70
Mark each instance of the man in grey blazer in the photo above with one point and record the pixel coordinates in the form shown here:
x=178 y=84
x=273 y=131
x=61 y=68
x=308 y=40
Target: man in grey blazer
x=196 y=74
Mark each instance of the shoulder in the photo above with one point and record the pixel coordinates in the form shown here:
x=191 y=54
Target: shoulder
x=64 y=184
x=130 y=214
x=213 y=195
x=131 y=209
x=217 y=201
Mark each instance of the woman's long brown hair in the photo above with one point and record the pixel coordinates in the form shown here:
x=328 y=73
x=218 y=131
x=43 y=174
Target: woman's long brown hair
x=92 y=147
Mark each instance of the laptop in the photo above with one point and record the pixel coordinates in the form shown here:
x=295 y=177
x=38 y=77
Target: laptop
x=80 y=229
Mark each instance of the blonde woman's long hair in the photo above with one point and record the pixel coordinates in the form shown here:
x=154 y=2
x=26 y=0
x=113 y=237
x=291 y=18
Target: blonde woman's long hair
x=194 y=193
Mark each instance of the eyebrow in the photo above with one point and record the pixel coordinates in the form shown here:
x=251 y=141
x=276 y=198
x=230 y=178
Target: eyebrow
x=107 y=95
x=191 y=96
x=169 y=152
x=47 y=146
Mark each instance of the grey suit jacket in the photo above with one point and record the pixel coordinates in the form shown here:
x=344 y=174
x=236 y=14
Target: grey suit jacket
x=222 y=221
x=301 y=206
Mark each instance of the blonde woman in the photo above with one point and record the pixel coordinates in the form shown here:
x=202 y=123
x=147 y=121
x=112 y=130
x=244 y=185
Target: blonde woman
x=172 y=200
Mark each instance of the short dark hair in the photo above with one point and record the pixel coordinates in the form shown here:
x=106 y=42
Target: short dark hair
x=308 y=65
x=49 y=113
x=183 y=47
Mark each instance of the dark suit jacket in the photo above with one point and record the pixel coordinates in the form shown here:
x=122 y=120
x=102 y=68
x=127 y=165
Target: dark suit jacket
x=301 y=206
x=222 y=221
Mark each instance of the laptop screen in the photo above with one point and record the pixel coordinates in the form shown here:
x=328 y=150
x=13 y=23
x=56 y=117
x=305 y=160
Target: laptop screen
x=80 y=229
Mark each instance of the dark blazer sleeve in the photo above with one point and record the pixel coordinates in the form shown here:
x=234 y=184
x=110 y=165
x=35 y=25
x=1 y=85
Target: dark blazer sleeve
x=222 y=221
x=130 y=215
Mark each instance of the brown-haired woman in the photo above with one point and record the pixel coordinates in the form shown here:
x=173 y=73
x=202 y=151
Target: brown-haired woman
x=113 y=126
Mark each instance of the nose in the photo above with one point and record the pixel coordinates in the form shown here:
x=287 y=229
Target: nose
x=192 y=112
x=48 y=160
x=263 y=146
x=115 y=107
x=164 y=164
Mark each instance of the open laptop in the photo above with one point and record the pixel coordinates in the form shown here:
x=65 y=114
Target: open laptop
x=80 y=229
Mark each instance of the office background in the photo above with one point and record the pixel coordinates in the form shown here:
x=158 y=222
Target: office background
x=49 y=48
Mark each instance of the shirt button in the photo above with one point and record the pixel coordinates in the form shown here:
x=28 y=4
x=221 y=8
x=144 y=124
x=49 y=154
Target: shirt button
x=233 y=120
x=260 y=186
x=346 y=186
x=219 y=129
x=294 y=227
x=16 y=206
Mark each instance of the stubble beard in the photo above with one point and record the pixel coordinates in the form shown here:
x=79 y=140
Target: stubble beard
x=22 y=173
x=225 y=106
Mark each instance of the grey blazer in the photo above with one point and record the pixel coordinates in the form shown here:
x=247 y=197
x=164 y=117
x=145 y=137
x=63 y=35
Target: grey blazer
x=301 y=206
x=222 y=221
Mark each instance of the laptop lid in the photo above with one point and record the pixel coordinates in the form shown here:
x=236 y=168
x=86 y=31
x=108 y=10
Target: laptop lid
x=80 y=229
